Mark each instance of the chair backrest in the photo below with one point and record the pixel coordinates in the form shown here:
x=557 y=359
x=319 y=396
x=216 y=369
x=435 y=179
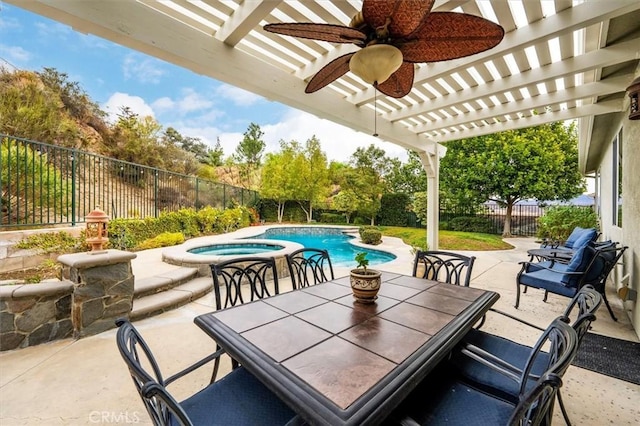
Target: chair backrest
x=535 y=407
x=587 y=300
x=160 y=405
x=309 y=266
x=606 y=258
x=254 y=272
x=561 y=342
x=452 y=268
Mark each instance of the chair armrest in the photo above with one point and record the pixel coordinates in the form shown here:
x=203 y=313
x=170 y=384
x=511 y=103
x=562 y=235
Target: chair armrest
x=195 y=366
x=407 y=421
x=487 y=359
x=516 y=319
x=525 y=266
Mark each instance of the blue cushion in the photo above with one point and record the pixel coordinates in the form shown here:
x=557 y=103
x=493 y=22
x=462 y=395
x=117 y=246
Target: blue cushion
x=484 y=378
x=579 y=263
x=548 y=280
x=575 y=234
x=237 y=399
x=588 y=235
x=448 y=401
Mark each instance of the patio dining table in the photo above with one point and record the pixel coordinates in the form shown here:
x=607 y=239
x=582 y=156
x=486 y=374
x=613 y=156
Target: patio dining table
x=339 y=362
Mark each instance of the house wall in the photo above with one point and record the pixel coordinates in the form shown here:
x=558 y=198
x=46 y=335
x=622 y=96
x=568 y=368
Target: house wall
x=629 y=234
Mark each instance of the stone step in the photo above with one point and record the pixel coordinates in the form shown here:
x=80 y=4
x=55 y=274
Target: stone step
x=166 y=300
x=163 y=281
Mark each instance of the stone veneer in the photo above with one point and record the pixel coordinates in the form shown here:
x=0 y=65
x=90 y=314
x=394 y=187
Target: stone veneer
x=98 y=289
x=102 y=289
x=31 y=314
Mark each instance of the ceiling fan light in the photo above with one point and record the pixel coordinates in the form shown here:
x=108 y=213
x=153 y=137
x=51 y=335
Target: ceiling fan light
x=376 y=63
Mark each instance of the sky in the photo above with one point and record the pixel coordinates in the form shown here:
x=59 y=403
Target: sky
x=201 y=107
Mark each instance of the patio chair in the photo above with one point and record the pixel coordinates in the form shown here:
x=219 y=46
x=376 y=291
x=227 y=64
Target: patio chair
x=444 y=266
x=253 y=273
x=590 y=264
x=586 y=302
x=238 y=398
x=445 y=397
x=309 y=266
x=579 y=237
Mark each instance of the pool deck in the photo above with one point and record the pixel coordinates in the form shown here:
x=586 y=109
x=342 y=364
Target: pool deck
x=71 y=382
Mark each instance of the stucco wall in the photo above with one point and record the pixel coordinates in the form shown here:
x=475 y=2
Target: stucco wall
x=629 y=233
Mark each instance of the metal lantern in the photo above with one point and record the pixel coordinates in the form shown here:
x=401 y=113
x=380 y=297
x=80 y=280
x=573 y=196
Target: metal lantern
x=96 y=233
x=634 y=93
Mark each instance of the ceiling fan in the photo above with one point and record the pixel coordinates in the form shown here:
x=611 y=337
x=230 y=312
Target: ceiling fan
x=393 y=35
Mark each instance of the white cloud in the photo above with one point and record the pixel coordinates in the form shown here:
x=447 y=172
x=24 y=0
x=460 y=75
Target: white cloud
x=135 y=103
x=142 y=70
x=337 y=141
x=238 y=96
x=15 y=54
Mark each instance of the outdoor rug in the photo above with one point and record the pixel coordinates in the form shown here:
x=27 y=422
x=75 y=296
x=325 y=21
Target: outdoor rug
x=610 y=356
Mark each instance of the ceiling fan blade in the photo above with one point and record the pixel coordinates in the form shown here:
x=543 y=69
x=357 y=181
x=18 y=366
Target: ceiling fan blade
x=400 y=82
x=406 y=15
x=329 y=73
x=324 y=32
x=450 y=35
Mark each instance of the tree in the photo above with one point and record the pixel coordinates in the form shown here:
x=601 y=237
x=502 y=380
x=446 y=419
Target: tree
x=276 y=178
x=536 y=162
x=310 y=175
x=408 y=177
x=370 y=166
x=136 y=139
x=346 y=201
x=214 y=156
x=249 y=152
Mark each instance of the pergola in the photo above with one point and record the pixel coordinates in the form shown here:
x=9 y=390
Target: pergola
x=559 y=60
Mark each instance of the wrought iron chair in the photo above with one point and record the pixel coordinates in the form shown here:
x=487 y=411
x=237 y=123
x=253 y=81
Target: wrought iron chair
x=586 y=302
x=309 y=266
x=254 y=273
x=452 y=268
x=238 y=398
x=590 y=265
x=445 y=397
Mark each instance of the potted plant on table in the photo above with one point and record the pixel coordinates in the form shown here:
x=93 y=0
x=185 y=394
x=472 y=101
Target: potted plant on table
x=365 y=283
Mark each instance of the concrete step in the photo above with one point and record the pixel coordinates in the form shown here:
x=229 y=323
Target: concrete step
x=172 y=298
x=163 y=281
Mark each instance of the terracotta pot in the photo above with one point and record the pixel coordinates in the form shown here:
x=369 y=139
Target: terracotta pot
x=365 y=285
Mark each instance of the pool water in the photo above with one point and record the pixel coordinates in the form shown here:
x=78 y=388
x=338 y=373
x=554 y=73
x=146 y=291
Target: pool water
x=235 y=249
x=340 y=251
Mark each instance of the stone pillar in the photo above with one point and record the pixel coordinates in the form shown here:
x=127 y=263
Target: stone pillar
x=103 y=289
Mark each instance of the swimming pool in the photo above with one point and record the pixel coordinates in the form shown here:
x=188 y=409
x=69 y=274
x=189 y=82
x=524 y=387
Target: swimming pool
x=235 y=249
x=331 y=239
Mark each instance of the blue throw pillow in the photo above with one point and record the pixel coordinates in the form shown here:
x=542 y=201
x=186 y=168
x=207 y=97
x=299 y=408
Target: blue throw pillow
x=575 y=234
x=588 y=235
x=579 y=263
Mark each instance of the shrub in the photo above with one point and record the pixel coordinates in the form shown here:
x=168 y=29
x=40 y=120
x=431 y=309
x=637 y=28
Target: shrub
x=370 y=235
x=332 y=218
x=166 y=239
x=558 y=222
x=51 y=242
x=393 y=209
x=472 y=224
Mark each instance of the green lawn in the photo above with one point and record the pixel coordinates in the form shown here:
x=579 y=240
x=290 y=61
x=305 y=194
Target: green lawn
x=449 y=240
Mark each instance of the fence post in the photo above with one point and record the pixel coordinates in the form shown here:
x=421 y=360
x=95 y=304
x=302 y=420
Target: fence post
x=73 y=187
x=197 y=192
x=155 y=193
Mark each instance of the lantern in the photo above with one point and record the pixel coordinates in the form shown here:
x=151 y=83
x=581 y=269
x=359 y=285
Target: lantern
x=634 y=94
x=96 y=233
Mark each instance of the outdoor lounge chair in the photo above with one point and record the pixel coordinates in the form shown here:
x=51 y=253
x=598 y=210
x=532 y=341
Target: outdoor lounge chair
x=238 y=398
x=309 y=266
x=444 y=266
x=590 y=264
x=489 y=378
x=579 y=237
x=445 y=398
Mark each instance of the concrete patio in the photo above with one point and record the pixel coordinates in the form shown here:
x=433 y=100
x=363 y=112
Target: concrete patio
x=85 y=381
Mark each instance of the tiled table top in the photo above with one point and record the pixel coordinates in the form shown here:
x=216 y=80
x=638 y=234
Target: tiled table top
x=337 y=361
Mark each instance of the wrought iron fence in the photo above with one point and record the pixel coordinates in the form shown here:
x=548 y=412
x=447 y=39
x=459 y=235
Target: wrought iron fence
x=45 y=185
